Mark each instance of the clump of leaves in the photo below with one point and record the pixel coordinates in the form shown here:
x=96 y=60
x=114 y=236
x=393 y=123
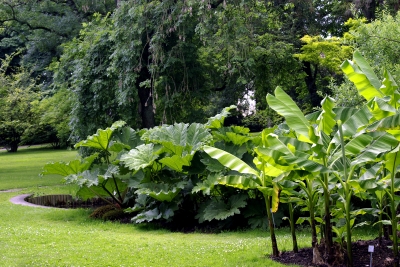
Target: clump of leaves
x=100 y=212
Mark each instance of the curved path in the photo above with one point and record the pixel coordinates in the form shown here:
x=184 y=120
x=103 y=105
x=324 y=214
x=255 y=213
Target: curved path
x=20 y=200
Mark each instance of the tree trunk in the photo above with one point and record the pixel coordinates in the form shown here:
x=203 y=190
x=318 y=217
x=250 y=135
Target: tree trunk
x=145 y=94
x=310 y=80
x=12 y=147
x=146 y=108
x=275 y=250
x=292 y=229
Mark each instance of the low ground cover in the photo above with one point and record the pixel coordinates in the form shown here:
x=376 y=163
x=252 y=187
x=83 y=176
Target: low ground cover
x=57 y=237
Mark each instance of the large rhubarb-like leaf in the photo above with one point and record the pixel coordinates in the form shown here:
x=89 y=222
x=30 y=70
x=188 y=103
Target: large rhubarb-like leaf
x=102 y=138
x=140 y=157
x=72 y=167
x=218 y=120
x=220 y=210
x=176 y=162
x=160 y=191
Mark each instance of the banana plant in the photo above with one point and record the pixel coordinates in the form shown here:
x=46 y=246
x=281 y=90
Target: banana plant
x=317 y=139
x=384 y=105
x=329 y=147
x=246 y=177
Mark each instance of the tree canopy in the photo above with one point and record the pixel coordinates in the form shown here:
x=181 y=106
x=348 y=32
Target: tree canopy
x=155 y=62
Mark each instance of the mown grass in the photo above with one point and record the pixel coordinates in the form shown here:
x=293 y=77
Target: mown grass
x=57 y=237
x=22 y=169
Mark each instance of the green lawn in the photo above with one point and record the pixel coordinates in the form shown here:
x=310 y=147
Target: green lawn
x=56 y=237
x=22 y=169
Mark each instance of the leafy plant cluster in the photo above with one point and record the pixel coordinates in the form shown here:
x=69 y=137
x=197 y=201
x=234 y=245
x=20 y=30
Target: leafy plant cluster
x=163 y=174
x=207 y=172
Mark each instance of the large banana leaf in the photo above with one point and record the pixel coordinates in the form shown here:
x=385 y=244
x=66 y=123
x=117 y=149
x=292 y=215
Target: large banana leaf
x=363 y=77
x=302 y=161
x=389 y=123
x=382 y=143
x=326 y=120
x=392 y=162
x=272 y=192
x=285 y=106
x=231 y=162
x=354 y=123
x=240 y=182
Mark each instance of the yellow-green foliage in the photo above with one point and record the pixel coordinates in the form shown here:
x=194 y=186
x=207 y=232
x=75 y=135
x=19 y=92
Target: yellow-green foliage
x=325 y=52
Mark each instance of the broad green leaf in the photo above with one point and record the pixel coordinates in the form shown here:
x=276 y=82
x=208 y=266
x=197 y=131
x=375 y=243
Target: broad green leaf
x=111 y=172
x=389 y=87
x=207 y=185
x=172 y=149
x=386 y=124
x=102 y=138
x=230 y=161
x=241 y=182
x=392 y=161
x=380 y=108
x=72 y=167
x=395 y=133
x=326 y=120
x=363 y=77
x=366 y=69
x=301 y=160
x=147 y=216
x=211 y=164
x=177 y=162
x=159 y=191
x=237 y=139
x=357 y=144
x=285 y=106
x=382 y=143
x=139 y=157
x=175 y=134
x=351 y=126
x=220 y=210
x=117 y=147
x=197 y=135
x=218 y=120
x=128 y=137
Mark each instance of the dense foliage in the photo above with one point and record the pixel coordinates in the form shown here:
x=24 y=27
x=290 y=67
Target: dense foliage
x=225 y=177
x=153 y=62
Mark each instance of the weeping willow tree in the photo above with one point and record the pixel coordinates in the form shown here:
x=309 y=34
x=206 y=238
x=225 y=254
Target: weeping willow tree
x=153 y=62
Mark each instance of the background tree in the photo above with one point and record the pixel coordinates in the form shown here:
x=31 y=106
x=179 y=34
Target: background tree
x=17 y=92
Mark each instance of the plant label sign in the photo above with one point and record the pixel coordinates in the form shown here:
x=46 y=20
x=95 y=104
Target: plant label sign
x=370 y=249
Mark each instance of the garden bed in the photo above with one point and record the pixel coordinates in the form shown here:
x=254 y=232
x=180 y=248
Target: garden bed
x=65 y=201
x=382 y=255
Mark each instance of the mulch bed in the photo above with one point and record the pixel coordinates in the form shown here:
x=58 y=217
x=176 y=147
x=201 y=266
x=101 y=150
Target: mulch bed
x=382 y=255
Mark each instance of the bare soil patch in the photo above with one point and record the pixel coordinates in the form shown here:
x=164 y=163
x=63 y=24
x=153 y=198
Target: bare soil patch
x=381 y=257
